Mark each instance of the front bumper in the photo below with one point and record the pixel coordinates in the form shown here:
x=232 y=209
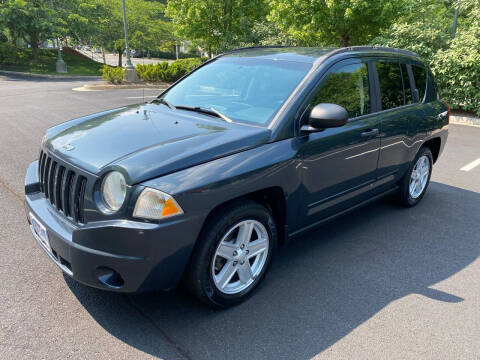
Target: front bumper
x=118 y=254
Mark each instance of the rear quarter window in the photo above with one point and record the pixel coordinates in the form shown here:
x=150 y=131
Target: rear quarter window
x=420 y=76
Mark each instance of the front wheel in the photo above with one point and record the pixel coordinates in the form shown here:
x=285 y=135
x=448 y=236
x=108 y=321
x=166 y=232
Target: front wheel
x=233 y=254
x=416 y=180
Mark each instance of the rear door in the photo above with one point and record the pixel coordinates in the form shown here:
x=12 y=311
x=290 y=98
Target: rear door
x=399 y=114
x=338 y=164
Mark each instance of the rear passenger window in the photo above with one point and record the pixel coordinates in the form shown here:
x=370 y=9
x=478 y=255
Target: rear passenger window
x=420 y=76
x=391 y=86
x=347 y=87
x=406 y=85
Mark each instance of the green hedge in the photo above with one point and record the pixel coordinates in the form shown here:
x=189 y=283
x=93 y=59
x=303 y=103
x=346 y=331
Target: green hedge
x=457 y=72
x=168 y=72
x=8 y=54
x=113 y=74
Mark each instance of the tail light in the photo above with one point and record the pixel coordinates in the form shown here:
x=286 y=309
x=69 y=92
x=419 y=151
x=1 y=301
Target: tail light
x=448 y=108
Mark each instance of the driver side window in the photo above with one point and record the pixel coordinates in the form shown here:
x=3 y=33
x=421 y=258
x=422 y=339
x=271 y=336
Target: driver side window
x=347 y=86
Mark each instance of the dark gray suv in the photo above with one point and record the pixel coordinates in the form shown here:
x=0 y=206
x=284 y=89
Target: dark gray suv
x=254 y=147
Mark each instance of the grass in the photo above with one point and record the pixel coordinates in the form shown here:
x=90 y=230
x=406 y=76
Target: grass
x=46 y=63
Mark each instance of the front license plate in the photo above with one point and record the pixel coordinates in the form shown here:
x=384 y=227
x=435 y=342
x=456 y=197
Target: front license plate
x=40 y=231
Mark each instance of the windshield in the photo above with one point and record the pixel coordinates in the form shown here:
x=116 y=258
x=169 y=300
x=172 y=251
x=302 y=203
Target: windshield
x=243 y=89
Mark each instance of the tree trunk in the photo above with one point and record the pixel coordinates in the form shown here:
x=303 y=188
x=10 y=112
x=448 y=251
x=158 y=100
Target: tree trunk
x=103 y=54
x=344 y=40
x=120 y=53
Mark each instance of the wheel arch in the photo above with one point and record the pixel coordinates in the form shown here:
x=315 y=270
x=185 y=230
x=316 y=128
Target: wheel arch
x=434 y=145
x=273 y=198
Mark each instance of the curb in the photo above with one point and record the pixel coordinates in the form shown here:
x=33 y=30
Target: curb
x=465 y=120
x=26 y=75
x=93 y=87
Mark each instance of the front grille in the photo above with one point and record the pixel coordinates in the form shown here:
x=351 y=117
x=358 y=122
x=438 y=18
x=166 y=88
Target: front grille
x=62 y=186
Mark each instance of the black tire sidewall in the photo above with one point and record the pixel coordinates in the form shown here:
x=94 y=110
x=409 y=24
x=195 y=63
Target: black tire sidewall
x=209 y=242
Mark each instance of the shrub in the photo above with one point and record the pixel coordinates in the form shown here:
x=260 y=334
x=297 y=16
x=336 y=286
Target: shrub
x=179 y=68
x=457 y=72
x=152 y=73
x=168 y=72
x=8 y=53
x=113 y=74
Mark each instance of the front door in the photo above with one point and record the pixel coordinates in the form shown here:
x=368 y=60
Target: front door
x=338 y=165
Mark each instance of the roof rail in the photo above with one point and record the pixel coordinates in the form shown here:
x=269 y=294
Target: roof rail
x=254 y=47
x=374 y=47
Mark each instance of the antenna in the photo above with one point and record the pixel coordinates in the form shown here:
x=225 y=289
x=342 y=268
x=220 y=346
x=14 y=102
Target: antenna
x=143 y=63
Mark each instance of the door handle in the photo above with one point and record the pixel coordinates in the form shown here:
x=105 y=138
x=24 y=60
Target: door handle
x=370 y=132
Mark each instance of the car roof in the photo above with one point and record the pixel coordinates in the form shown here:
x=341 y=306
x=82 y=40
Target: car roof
x=312 y=54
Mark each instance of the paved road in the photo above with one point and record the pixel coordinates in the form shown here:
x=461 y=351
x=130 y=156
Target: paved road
x=112 y=59
x=381 y=283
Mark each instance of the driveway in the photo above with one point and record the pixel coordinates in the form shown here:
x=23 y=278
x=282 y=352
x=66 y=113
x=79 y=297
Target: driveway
x=383 y=282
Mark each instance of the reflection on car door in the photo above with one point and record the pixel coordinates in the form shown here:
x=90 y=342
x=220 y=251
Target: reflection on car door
x=338 y=165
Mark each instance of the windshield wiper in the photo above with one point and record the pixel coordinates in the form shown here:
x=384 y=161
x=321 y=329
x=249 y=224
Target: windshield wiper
x=223 y=116
x=210 y=111
x=164 y=102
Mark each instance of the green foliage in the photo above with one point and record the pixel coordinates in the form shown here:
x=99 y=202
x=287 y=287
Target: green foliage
x=152 y=73
x=8 y=53
x=457 y=68
x=424 y=40
x=168 y=72
x=113 y=74
x=339 y=22
x=33 y=21
x=216 y=25
x=425 y=27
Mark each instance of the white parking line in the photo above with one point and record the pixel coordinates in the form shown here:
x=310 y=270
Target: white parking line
x=471 y=165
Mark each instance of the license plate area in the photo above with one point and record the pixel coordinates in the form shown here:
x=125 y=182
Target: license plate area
x=40 y=231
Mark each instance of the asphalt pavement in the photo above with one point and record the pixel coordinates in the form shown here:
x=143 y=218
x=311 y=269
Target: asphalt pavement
x=383 y=282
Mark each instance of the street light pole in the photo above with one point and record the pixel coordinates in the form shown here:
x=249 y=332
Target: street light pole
x=61 y=66
x=128 y=62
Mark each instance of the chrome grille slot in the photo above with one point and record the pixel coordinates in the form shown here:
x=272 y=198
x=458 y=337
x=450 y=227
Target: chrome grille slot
x=63 y=187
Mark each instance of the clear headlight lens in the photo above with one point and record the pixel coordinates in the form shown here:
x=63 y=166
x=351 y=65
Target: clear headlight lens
x=114 y=190
x=154 y=204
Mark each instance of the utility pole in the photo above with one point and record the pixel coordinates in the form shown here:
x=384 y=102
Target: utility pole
x=454 y=26
x=61 y=66
x=130 y=74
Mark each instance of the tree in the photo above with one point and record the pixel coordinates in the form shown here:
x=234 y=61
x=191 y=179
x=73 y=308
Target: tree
x=100 y=22
x=329 y=22
x=216 y=24
x=34 y=21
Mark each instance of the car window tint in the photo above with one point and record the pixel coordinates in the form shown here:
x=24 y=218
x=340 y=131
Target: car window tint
x=432 y=92
x=391 y=86
x=406 y=85
x=420 y=76
x=347 y=87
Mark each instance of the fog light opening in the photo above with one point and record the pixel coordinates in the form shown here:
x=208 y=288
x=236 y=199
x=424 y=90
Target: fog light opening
x=109 y=277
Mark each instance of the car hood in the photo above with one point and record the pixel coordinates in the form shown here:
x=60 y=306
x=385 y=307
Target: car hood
x=148 y=140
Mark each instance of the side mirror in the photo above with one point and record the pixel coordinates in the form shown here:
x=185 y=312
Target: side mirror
x=325 y=116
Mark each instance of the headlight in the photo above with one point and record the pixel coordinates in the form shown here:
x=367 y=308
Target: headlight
x=154 y=204
x=114 y=190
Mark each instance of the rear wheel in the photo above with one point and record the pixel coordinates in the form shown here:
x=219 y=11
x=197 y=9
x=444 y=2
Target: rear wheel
x=415 y=183
x=233 y=254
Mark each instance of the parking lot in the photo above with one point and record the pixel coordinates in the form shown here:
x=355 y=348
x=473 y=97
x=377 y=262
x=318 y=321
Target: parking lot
x=383 y=282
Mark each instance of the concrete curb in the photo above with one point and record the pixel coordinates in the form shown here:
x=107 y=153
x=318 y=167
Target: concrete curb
x=465 y=120
x=25 y=75
x=107 y=86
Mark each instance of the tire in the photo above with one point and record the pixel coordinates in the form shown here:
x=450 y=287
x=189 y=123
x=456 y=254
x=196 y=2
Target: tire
x=223 y=282
x=407 y=197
